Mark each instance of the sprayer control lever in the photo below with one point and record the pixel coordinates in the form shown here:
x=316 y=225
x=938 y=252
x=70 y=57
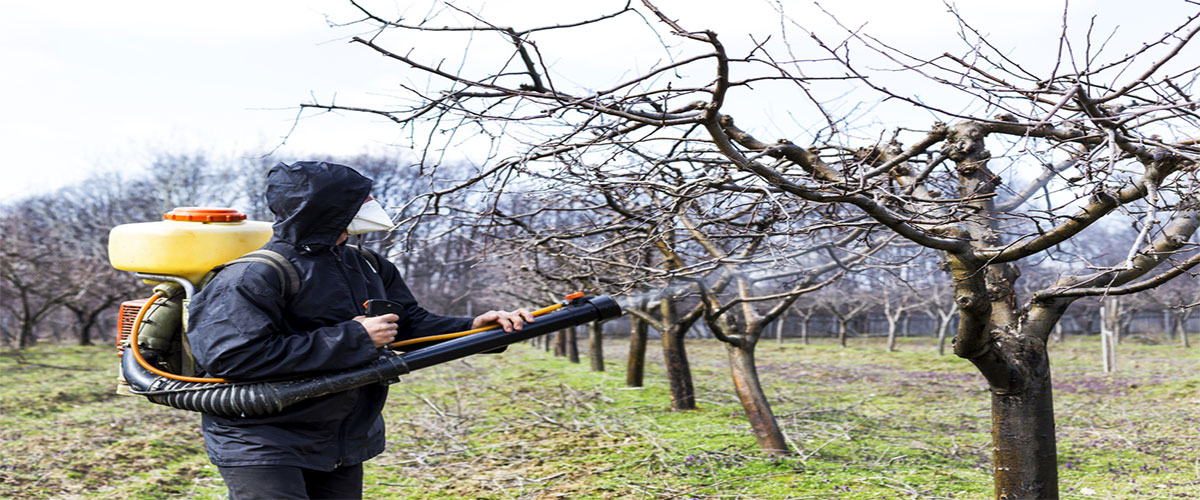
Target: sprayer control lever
x=379 y=307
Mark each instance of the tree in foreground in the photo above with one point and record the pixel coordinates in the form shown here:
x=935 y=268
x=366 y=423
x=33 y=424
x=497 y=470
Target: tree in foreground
x=746 y=298
x=1015 y=160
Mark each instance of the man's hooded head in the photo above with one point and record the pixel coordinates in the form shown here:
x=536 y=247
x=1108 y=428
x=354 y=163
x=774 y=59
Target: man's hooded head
x=314 y=202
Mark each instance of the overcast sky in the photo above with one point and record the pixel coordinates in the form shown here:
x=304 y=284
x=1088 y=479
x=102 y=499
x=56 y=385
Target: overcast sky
x=93 y=85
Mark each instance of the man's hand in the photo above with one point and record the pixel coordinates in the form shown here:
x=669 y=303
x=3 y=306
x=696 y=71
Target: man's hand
x=509 y=320
x=382 y=329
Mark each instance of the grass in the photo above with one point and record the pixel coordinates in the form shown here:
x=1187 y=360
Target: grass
x=863 y=423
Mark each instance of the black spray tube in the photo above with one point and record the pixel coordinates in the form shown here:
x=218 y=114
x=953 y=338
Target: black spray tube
x=250 y=399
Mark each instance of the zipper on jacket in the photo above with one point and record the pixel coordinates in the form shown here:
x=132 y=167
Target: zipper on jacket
x=355 y=303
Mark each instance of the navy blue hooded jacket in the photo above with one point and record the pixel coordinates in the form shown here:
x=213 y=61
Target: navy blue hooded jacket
x=242 y=328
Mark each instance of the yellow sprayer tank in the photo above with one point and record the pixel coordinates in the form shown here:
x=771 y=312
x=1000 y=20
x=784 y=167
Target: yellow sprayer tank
x=188 y=242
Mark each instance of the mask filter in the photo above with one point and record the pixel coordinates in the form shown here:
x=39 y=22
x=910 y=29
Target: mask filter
x=370 y=217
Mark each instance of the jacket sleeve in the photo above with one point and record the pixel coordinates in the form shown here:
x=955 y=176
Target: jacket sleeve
x=237 y=331
x=417 y=322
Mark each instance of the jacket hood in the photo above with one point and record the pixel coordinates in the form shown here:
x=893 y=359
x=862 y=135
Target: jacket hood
x=313 y=202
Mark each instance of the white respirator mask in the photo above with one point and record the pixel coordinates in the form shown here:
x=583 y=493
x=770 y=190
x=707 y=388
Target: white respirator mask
x=370 y=217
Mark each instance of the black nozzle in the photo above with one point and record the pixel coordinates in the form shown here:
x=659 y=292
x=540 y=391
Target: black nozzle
x=577 y=312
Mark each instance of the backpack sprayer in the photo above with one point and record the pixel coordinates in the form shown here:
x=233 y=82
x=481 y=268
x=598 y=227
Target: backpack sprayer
x=178 y=253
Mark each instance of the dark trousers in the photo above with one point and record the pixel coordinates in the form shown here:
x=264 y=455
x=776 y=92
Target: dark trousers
x=283 y=482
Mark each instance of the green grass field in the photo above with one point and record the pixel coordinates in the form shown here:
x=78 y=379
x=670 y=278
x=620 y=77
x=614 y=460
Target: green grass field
x=863 y=423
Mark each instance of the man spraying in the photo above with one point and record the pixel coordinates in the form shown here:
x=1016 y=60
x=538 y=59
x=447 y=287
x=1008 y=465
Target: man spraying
x=243 y=327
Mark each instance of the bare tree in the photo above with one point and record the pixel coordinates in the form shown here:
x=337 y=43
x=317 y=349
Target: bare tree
x=845 y=308
x=31 y=297
x=941 y=307
x=1177 y=300
x=805 y=310
x=897 y=302
x=618 y=237
x=740 y=319
x=56 y=255
x=80 y=218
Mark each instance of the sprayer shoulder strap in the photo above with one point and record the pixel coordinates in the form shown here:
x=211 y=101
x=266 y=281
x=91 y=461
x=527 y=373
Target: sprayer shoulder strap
x=371 y=257
x=289 y=278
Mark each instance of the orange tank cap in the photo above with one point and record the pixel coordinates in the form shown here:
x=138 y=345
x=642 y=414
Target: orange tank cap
x=575 y=295
x=204 y=214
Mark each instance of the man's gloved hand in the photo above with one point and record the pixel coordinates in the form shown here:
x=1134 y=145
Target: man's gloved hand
x=382 y=329
x=509 y=320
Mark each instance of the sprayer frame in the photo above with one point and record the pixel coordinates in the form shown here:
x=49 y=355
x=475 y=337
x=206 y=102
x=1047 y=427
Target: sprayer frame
x=188 y=288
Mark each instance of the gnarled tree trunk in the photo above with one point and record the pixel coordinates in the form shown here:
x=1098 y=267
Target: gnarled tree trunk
x=26 y=338
x=635 y=363
x=572 y=345
x=1181 y=319
x=596 y=346
x=560 y=342
x=1024 y=453
x=679 y=373
x=1017 y=368
x=749 y=390
x=943 y=327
